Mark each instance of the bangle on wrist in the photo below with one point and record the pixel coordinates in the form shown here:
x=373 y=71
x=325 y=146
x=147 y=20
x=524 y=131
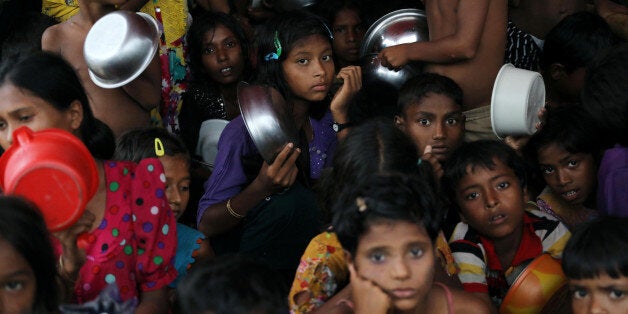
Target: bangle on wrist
x=337 y=127
x=232 y=212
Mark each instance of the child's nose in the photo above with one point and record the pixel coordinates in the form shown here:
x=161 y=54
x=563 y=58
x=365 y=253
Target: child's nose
x=400 y=270
x=563 y=177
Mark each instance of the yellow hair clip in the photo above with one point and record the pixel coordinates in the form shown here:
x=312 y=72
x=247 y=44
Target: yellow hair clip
x=159 y=147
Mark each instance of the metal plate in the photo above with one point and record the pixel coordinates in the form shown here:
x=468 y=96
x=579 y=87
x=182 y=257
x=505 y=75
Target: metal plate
x=395 y=28
x=267 y=118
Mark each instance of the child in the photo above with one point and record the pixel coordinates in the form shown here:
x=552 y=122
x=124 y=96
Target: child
x=604 y=99
x=139 y=144
x=27 y=262
x=219 y=60
x=595 y=263
x=121 y=108
x=498 y=233
x=430 y=112
x=388 y=226
x=348 y=24
x=232 y=284
x=260 y=209
x=467 y=44
x=129 y=207
x=570 y=47
x=565 y=153
x=375 y=146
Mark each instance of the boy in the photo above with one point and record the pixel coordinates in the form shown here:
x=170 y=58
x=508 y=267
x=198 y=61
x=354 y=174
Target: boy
x=121 y=108
x=498 y=233
x=429 y=110
x=597 y=268
x=467 y=43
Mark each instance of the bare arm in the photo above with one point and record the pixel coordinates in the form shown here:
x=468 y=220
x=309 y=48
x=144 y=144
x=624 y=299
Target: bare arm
x=271 y=179
x=352 y=83
x=153 y=302
x=461 y=45
x=146 y=88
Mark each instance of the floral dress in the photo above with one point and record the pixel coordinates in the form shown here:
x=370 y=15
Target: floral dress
x=135 y=244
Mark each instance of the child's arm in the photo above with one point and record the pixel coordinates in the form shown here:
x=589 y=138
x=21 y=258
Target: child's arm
x=145 y=90
x=459 y=46
x=352 y=83
x=367 y=296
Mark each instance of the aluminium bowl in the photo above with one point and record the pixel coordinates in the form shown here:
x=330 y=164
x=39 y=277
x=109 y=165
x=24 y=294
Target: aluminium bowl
x=119 y=47
x=398 y=27
x=267 y=118
x=374 y=72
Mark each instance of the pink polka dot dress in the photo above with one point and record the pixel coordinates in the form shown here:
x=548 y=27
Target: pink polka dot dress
x=135 y=244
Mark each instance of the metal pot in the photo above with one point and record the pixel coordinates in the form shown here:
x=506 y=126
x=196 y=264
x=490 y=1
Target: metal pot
x=395 y=28
x=267 y=118
x=373 y=71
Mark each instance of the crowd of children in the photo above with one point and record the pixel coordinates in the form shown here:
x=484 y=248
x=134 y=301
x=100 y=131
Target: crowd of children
x=420 y=211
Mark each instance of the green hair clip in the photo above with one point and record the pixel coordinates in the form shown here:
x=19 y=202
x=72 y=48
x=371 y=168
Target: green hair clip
x=275 y=55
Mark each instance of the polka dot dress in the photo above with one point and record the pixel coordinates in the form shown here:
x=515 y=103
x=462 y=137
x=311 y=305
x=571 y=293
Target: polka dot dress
x=135 y=243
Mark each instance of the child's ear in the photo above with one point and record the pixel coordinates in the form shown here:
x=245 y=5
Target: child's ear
x=400 y=123
x=348 y=257
x=75 y=114
x=557 y=71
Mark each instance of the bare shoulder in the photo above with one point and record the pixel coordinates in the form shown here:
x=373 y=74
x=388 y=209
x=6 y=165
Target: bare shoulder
x=470 y=303
x=51 y=37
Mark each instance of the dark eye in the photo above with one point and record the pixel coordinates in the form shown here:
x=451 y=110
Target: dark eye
x=377 y=258
x=232 y=43
x=340 y=30
x=185 y=188
x=416 y=252
x=579 y=293
x=547 y=170
x=503 y=185
x=208 y=50
x=13 y=285
x=472 y=196
x=326 y=58
x=572 y=163
x=424 y=122
x=303 y=61
x=617 y=294
x=24 y=118
x=451 y=121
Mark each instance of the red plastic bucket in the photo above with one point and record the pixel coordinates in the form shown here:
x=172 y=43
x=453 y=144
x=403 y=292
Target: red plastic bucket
x=53 y=169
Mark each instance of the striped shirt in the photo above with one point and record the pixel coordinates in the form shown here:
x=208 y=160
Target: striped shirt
x=522 y=49
x=480 y=269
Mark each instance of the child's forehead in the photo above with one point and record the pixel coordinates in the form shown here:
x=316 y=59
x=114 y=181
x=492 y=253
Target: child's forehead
x=434 y=103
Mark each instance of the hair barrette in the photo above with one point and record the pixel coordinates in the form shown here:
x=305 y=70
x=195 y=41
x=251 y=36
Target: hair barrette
x=361 y=204
x=277 y=53
x=159 y=147
x=418 y=162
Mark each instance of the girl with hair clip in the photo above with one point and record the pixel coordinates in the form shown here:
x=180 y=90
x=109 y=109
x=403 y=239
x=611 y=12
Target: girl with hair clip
x=374 y=147
x=28 y=281
x=154 y=142
x=565 y=153
x=129 y=225
x=219 y=60
x=268 y=210
x=388 y=227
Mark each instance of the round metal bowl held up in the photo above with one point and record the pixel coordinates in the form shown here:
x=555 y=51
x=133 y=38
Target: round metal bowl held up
x=398 y=27
x=267 y=118
x=119 y=47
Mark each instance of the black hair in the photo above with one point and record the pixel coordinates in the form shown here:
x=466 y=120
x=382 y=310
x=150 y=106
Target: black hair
x=137 y=144
x=24 y=34
x=576 y=40
x=206 y=22
x=51 y=78
x=376 y=146
x=482 y=153
x=232 y=284
x=570 y=128
x=328 y=9
x=289 y=27
x=394 y=197
x=605 y=96
x=598 y=247
x=415 y=89
x=23 y=227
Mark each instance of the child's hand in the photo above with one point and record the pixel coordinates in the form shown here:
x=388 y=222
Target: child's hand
x=352 y=83
x=72 y=256
x=282 y=173
x=394 y=57
x=436 y=166
x=367 y=296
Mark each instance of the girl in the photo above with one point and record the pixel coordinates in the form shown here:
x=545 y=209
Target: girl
x=267 y=212
x=595 y=263
x=565 y=153
x=348 y=25
x=375 y=147
x=27 y=272
x=127 y=220
x=387 y=226
x=219 y=60
x=140 y=144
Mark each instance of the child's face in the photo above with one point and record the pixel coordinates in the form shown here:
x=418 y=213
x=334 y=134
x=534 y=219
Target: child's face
x=397 y=256
x=222 y=56
x=571 y=176
x=309 y=68
x=492 y=201
x=348 y=34
x=603 y=294
x=18 y=284
x=19 y=108
x=176 y=169
x=435 y=120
